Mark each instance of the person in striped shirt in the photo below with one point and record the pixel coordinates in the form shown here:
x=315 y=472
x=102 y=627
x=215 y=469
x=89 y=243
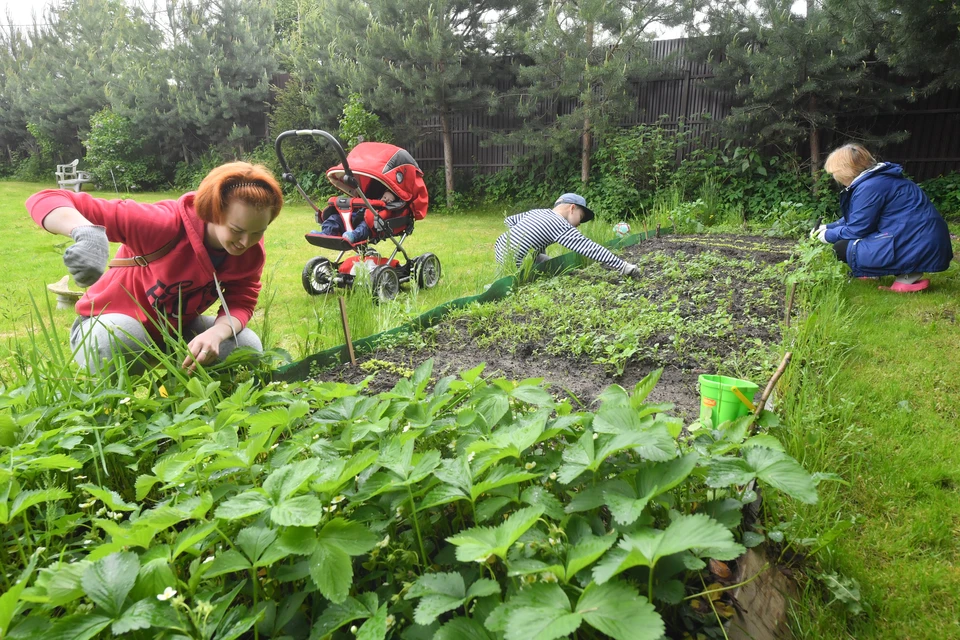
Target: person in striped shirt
x=539 y=228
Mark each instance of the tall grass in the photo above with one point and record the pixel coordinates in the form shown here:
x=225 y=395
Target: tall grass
x=864 y=399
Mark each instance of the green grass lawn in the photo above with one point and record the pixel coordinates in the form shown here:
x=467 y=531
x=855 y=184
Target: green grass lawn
x=294 y=320
x=884 y=413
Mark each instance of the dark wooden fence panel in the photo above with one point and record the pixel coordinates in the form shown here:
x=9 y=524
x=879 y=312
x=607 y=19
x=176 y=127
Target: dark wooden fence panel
x=933 y=122
x=933 y=147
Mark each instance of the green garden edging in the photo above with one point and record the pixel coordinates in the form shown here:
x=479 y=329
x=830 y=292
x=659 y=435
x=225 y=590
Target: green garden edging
x=496 y=291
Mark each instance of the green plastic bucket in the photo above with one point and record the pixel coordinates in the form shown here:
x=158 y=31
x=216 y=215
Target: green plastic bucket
x=719 y=402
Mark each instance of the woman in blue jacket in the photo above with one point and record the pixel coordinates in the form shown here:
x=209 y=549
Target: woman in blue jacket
x=889 y=226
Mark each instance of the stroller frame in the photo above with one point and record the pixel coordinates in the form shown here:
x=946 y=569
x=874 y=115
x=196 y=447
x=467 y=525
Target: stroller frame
x=321 y=275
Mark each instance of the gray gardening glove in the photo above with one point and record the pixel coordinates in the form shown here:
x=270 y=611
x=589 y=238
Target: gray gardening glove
x=631 y=270
x=87 y=257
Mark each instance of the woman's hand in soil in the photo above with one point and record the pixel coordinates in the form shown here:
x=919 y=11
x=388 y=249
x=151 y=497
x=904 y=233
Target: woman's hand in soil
x=204 y=349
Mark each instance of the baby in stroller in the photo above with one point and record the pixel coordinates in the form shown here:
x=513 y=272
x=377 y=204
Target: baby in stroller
x=333 y=222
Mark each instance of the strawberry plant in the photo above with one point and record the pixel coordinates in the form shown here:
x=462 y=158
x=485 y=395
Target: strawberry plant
x=459 y=507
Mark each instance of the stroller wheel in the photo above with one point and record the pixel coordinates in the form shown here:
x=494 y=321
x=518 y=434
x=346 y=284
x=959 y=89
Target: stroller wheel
x=386 y=283
x=428 y=271
x=318 y=276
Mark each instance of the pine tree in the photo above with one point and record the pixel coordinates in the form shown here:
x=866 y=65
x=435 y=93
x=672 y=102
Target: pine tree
x=78 y=50
x=202 y=80
x=14 y=51
x=918 y=38
x=222 y=64
x=414 y=60
x=579 y=60
x=793 y=75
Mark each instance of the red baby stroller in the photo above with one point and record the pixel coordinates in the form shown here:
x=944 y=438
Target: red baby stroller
x=365 y=175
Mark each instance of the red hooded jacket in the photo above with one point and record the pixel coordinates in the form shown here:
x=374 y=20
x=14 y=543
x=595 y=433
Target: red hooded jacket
x=180 y=283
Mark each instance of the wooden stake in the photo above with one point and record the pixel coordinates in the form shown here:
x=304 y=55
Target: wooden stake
x=772 y=383
x=346 y=331
x=646 y=234
x=658 y=229
x=793 y=290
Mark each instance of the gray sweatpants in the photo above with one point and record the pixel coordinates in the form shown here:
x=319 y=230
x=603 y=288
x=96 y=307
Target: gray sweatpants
x=95 y=340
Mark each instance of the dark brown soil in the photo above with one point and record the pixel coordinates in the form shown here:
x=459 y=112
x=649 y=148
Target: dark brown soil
x=454 y=349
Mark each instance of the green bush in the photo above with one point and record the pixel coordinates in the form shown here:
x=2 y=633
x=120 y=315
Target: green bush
x=745 y=178
x=115 y=154
x=463 y=192
x=33 y=168
x=359 y=125
x=944 y=192
x=634 y=172
x=39 y=164
x=533 y=182
x=291 y=112
x=189 y=175
x=629 y=168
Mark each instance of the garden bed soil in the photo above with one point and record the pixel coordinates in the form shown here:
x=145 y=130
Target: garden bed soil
x=454 y=349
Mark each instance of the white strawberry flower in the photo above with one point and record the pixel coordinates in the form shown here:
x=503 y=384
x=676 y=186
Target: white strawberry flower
x=168 y=593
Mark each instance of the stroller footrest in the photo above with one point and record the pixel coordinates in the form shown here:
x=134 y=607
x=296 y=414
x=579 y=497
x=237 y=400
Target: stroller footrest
x=335 y=243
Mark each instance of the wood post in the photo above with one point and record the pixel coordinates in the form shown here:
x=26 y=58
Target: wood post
x=346 y=330
x=793 y=290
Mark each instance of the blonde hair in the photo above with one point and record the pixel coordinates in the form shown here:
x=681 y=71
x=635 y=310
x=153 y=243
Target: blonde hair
x=847 y=162
x=249 y=183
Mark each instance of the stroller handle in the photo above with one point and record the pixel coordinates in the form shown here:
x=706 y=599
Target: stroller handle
x=348 y=177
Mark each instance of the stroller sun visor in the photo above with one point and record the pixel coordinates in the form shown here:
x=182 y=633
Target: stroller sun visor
x=391 y=167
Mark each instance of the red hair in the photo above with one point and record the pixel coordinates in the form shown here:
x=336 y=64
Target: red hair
x=248 y=183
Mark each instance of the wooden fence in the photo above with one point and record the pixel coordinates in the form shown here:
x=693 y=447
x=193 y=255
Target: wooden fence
x=933 y=122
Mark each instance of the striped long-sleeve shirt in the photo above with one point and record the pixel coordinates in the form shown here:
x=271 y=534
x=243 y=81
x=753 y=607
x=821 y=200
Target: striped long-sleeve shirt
x=539 y=228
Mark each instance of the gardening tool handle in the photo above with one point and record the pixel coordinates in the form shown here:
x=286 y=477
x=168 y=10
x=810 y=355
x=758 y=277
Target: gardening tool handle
x=773 y=381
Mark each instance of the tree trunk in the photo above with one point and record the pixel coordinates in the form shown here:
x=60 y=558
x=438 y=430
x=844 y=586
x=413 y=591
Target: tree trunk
x=814 y=152
x=814 y=131
x=587 y=137
x=814 y=144
x=447 y=154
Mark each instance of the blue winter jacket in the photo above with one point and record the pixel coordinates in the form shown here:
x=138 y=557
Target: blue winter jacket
x=892 y=226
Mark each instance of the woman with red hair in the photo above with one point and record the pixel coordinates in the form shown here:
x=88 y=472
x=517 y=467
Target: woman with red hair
x=177 y=258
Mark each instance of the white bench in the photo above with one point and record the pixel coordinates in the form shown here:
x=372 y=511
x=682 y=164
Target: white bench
x=69 y=178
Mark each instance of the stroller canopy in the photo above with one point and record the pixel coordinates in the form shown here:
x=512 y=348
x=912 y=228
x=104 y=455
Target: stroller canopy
x=379 y=166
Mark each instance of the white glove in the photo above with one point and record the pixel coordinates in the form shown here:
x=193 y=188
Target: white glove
x=631 y=270
x=820 y=233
